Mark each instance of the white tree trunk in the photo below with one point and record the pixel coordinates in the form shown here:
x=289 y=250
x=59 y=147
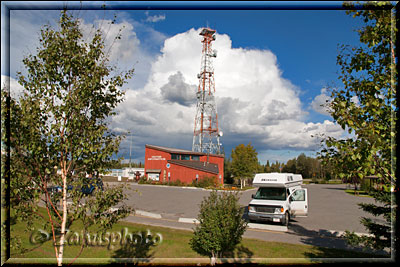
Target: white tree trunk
x=64 y=218
x=212 y=259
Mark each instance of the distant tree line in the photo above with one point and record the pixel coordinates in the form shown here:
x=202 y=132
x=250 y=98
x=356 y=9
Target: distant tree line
x=118 y=164
x=308 y=167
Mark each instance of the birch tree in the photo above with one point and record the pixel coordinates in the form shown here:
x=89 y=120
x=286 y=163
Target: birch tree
x=366 y=107
x=59 y=130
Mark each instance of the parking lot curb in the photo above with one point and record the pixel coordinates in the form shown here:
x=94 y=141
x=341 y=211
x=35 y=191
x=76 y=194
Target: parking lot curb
x=148 y=214
x=183 y=187
x=188 y=220
x=270 y=227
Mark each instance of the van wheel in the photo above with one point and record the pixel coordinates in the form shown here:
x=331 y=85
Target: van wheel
x=285 y=221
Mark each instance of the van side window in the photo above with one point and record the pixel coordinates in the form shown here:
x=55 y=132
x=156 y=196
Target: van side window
x=298 y=195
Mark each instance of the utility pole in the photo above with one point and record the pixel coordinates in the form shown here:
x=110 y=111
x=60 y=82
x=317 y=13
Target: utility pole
x=130 y=157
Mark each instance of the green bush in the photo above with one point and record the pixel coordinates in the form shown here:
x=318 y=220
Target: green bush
x=142 y=180
x=177 y=182
x=365 y=185
x=221 y=226
x=206 y=181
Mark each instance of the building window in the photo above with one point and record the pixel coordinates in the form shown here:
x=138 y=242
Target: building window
x=185 y=157
x=195 y=157
x=175 y=156
x=154 y=176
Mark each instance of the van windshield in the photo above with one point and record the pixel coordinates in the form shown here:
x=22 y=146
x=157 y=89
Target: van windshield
x=271 y=193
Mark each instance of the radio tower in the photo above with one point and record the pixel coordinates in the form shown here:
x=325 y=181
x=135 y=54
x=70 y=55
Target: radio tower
x=206 y=134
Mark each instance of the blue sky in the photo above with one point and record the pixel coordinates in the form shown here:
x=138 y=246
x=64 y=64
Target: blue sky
x=271 y=71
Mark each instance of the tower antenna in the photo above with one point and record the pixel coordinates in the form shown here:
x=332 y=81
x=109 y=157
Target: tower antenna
x=206 y=134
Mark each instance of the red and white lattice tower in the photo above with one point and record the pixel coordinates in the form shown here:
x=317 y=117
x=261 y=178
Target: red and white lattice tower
x=206 y=134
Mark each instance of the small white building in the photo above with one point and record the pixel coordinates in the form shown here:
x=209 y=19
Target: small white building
x=113 y=172
x=131 y=172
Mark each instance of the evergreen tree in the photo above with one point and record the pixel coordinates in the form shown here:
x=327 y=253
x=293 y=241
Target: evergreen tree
x=267 y=167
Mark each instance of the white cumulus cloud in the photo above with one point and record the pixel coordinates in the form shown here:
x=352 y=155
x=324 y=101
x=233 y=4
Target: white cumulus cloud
x=254 y=102
x=320 y=102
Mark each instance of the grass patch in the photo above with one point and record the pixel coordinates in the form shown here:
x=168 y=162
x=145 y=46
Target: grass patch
x=174 y=246
x=359 y=193
x=321 y=181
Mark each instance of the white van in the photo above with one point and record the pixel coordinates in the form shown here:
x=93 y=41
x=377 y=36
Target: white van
x=279 y=198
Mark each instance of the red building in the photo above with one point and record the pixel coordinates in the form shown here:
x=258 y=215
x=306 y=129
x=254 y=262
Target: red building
x=170 y=164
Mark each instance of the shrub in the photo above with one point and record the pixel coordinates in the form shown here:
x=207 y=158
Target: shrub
x=142 y=180
x=177 y=182
x=206 y=181
x=221 y=225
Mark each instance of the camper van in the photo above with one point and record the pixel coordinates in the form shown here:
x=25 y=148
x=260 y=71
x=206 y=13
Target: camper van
x=279 y=197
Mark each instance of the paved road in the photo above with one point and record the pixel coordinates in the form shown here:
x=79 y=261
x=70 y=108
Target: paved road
x=169 y=201
x=331 y=211
x=330 y=208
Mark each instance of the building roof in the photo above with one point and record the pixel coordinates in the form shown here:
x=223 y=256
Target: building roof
x=181 y=151
x=197 y=165
x=153 y=170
